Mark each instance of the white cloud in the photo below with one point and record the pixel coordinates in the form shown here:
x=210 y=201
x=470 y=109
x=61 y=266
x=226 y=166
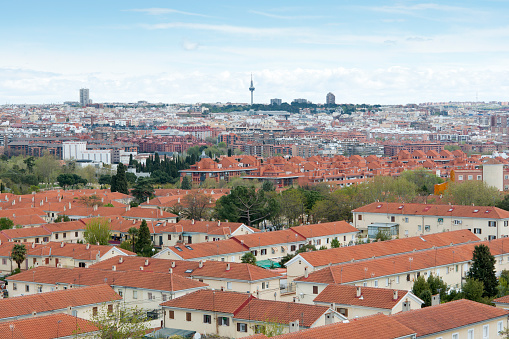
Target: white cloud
x=287 y=17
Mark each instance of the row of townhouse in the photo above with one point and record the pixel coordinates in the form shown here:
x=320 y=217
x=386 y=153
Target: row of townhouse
x=454 y=320
x=313 y=261
x=58 y=254
x=265 y=245
x=237 y=277
x=399 y=271
x=236 y=315
x=404 y=220
x=139 y=289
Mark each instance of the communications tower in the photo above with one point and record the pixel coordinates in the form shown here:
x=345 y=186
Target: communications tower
x=251 y=89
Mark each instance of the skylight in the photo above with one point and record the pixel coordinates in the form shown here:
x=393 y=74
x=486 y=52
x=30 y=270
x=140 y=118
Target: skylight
x=189 y=271
x=178 y=248
x=189 y=247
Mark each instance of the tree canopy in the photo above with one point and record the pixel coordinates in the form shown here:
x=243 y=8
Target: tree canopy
x=18 y=254
x=98 y=231
x=143 y=244
x=470 y=192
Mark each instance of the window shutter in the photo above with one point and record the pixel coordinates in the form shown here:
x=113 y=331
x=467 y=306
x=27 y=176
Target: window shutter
x=238 y=327
x=227 y=321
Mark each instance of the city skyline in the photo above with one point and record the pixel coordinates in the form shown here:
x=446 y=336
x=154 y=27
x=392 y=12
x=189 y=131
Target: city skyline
x=368 y=52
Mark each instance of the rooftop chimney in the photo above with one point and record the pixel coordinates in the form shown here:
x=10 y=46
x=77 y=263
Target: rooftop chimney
x=88 y=246
x=358 y=292
x=120 y=260
x=395 y=295
x=173 y=264
x=113 y=268
x=62 y=244
x=200 y=264
x=141 y=268
x=146 y=262
x=170 y=270
x=228 y=266
x=192 y=221
x=306 y=274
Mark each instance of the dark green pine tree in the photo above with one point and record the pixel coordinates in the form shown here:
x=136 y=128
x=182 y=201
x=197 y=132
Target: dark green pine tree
x=121 y=180
x=143 y=245
x=113 y=183
x=483 y=269
x=186 y=183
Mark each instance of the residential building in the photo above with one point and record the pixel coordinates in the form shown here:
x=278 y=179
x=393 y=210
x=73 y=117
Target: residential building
x=82 y=302
x=51 y=326
x=404 y=220
x=330 y=99
x=84 y=97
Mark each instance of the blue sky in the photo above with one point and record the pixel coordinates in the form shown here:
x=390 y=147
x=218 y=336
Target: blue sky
x=388 y=52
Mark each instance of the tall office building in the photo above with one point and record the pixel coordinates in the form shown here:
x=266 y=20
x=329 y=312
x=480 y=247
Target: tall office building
x=84 y=96
x=330 y=99
x=276 y=102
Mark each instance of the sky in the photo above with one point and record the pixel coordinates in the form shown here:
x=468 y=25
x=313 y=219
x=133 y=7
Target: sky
x=376 y=52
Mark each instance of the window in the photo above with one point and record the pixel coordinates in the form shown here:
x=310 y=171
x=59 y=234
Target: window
x=506 y=223
x=479 y=177
x=120 y=293
x=39 y=288
x=477 y=231
x=263 y=251
x=135 y=294
x=27 y=288
x=393 y=218
x=165 y=297
x=387 y=282
x=485 y=331
x=492 y=223
x=45 y=239
x=56 y=236
x=455 y=336
x=491 y=237
x=255 y=252
x=500 y=326
x=81 y=264
x=318 y=242
x=4 y=261
x=74 y=313
x=241 y=327
x=460 y=177
x=282 y=249
x=376 y=283
x=229 y=285
x=419 y=228
x=94 y=311
x=406 y=219
x=470 y=177
x=149 y=295
x=223 y=321
x=397 y=279
x=263 y=285
x=207 y=319
x=64 y=235
x=36 y=240
x=343 y=311
x=292 y=248
x=110 y=308
x=470 y=334
x=75 y=234
x=259 y=329
x=427 y=228
x=359 y=217
x=365 y=284
x=14 y=286
x=315 y=289
x=169 y=236
x=457 y=222
x=188 y=316
x=171 y=314
x=408 y=277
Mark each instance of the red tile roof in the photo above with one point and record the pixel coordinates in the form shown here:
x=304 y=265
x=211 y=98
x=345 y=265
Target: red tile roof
x=208 y=300
x=57 y=300
x=384 y=248
x=325 y=229
x=371 y=296
x=210 y=269
x=72 y=250
x=208 y=249
x=280 y=312
x=46 y=327
x=378 y=326
x=465 y=211
x=269 y=238
x=89 y=277
x=448 y=316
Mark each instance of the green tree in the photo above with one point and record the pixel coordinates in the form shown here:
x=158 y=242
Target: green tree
x=142 y=189
x=470 y=192
x=248 y=258
x=30 y=163
x=121 y=180
x=335 y=243
x=6 y=223
x=383 y=236
x=63 y=218
x=121 y=323
x=292 y=202
x=423 y=179
x=503 y=284
x=421 y=289
x=66 y=179
x=195 y=205
x=144 y=244
x=268 y=186
x=133 y=237
x=473 y=289
x=98 y=230
x=437 y=286
x=504 y=203
x=186 y=183
x=105 y=179
x=18 y=254
x=306 y=248
x=245 y=205
x=483 y=270
x=286 y=259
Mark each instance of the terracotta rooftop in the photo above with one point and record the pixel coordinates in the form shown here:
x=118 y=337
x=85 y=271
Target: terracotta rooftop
x=465 y=211
x=269 y=238
x=208 y=249
x=46 y=327
x=57 y=300
x=371 y=296
x=378 y=326
x=210 y=269
x=208 y=300
x=324 y=229
x=89 y=277
x=280 y=311
x=385 y=248
x=447 y=316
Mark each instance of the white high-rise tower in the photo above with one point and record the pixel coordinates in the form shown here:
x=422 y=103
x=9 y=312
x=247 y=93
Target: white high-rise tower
x=84 y=96
x=251 y=88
